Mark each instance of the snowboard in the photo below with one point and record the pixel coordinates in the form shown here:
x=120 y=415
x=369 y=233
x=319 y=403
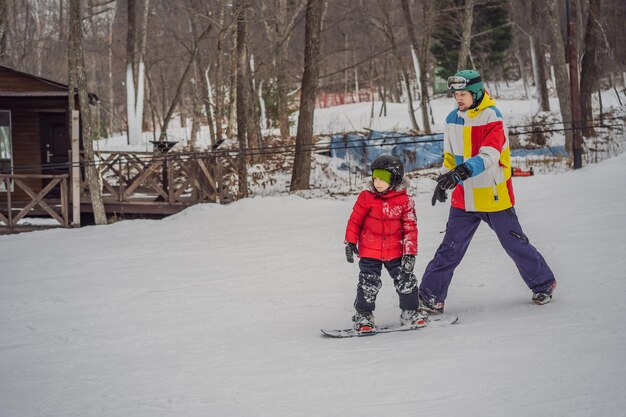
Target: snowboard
x=439 y=320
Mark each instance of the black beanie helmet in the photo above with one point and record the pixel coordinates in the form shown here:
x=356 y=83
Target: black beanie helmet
x=392 y=164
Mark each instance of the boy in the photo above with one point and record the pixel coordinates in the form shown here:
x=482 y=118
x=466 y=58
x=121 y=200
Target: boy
x=383 y=224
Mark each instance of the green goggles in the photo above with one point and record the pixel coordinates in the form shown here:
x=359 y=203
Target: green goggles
x=460 y=83
x=382 y=174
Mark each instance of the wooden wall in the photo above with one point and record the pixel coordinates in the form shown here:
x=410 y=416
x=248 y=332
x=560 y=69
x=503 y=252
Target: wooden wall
x=27 y=97
x=25 y=135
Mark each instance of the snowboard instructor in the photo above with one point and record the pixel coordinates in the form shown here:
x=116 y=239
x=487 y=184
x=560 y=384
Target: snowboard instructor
x=477 y=166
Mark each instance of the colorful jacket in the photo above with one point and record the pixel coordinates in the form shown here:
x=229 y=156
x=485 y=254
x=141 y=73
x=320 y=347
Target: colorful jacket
x=383 y=225
x=479 y=138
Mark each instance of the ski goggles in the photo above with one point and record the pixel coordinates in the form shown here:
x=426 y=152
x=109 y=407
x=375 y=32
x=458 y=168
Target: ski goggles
x=460 y=83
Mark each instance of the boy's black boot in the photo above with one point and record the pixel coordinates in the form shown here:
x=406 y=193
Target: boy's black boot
x=364 y=322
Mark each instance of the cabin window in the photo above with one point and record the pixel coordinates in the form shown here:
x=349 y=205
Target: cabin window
x=6 y=153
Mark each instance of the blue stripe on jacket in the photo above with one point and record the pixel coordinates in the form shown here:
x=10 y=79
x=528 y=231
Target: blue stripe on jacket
x=476 y=165
x=454 y=118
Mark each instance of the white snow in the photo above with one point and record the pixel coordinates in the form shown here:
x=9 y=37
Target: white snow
x=216 y=311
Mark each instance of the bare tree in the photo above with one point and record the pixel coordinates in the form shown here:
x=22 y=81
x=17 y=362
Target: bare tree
x=557 y=57
x=4 y=27
x=387 y=27
x=537 y=54
x=242 y=110
x=591 y=69
x=301 y=174
x=279 y=18
x=232 y=91
x=468 y=21
x=200 y=92
x=76 y=64
x=135 y=71
x=422 y=52
x=176 y=100
x=253 y=126
x=219 y=69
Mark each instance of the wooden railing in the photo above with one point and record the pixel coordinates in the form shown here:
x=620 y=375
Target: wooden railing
x=166 y=178
x=138 y=182
x=57 y=208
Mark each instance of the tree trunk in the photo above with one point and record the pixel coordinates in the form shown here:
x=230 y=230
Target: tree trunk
x=219 y=90
x=301 y=174
x=279 y=21
x=422 y=52
x=77 y=69
x=283 y=98
x=179 y=88
x=110 y=93
x=520 y=62
x=201 y=85
x=131 y=57
x=560 y=71
x=135 y=71
x=539 y=73
x=253 y=126
x=242 y=111
x=232 y=91
x=538 y=56
x=389 y=33
x=4 y=28
x=466 y=39
x=591 y=71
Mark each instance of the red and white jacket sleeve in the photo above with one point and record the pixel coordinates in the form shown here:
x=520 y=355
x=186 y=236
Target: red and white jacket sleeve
x=409 y=228
x=355 y=223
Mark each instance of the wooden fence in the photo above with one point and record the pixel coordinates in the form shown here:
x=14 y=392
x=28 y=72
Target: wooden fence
x=180 y=180
x=43 y=202
x=132 y=183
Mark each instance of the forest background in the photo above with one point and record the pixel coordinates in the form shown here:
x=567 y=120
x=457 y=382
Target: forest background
x=202 y=60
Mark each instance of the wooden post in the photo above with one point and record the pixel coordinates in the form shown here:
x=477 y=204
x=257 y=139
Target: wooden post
x=75 y=169
x=577 y=142
x=64 y=202
x=9 y=202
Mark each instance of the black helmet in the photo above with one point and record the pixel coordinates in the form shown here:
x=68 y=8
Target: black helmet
x=392 y=164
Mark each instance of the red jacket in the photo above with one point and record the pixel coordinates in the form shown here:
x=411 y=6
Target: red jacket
x=384 y=226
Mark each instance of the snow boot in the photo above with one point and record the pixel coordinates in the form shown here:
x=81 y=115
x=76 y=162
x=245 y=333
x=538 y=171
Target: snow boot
x=364 y=322
x=541 y=298
x=544 y=297
x=429 y=307
x=412 y=318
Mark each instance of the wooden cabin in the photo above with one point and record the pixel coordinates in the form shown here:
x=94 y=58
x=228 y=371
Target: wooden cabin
x=35 y=144
x=33 y=126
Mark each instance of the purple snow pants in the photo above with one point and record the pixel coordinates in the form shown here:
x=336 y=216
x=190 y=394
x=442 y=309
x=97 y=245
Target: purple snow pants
x=459 y=232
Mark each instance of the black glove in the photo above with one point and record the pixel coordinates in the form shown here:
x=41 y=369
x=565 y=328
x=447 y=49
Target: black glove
x=439 y=195
x=450 y=179
x=408 y=263
x=351 y=250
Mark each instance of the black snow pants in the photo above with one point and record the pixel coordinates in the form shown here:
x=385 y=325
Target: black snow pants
x=370 y=283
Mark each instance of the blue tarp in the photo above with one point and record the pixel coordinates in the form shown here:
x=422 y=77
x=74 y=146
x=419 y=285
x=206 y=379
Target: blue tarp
x=414 y=151
x=547 y=151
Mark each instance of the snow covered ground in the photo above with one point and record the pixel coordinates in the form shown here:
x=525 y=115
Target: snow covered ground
x=216 y=311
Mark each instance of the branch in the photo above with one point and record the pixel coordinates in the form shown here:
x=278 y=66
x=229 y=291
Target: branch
x=492 y=29
x=170 y=111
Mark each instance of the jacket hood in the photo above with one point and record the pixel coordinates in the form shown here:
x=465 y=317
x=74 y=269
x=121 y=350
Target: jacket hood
x=402 y=187
x=487 y=101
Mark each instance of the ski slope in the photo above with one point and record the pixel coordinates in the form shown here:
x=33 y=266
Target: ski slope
x=216 y=311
